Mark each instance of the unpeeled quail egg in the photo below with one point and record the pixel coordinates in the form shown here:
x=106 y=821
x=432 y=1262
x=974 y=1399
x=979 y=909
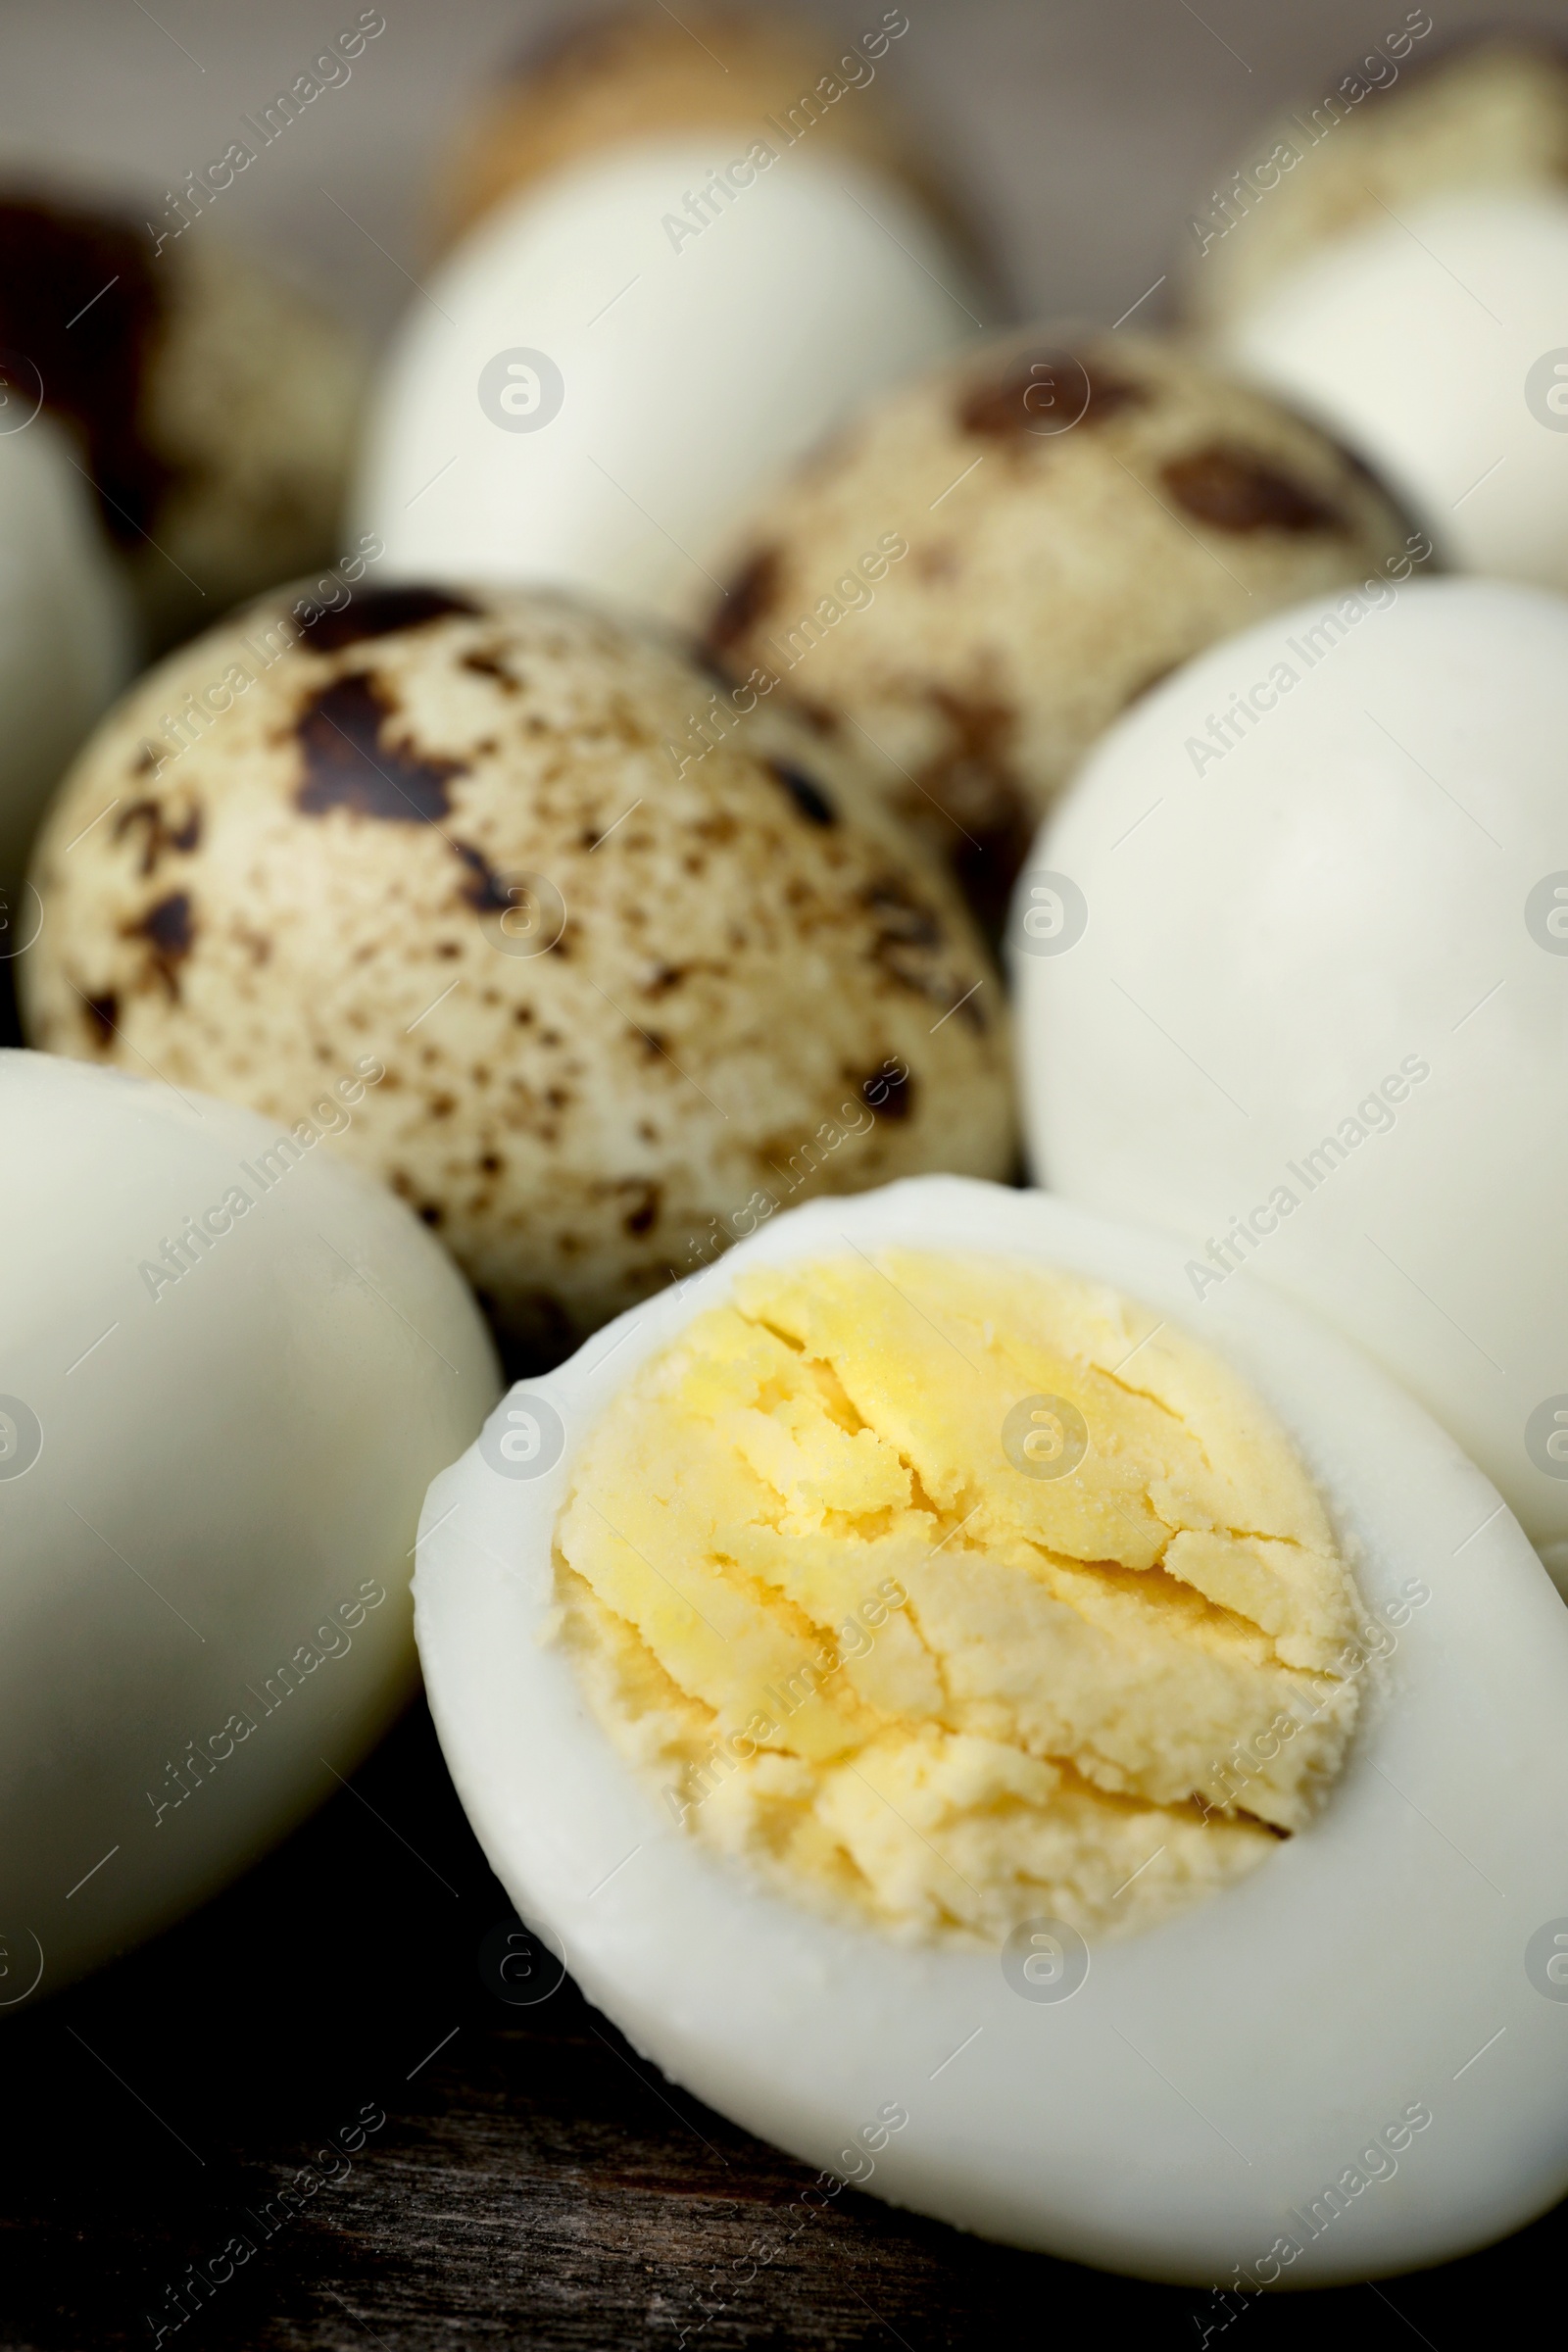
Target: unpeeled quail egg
x=1292 y=983
x=228 y=1369
x=990 y=566
x=640 y=958
x=212 y=405
x=894 y=1915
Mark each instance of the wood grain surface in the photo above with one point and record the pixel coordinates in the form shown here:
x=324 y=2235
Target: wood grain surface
x=531 y=2183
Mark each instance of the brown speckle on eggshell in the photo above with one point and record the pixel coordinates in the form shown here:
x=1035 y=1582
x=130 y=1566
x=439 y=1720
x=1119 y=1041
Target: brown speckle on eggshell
x=470 y=843
x=1076 y=520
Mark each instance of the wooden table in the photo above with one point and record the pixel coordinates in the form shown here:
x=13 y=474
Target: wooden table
x=532 y=2182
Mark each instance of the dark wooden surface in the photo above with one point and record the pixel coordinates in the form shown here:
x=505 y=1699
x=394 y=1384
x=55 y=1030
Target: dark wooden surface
x=533 y=2183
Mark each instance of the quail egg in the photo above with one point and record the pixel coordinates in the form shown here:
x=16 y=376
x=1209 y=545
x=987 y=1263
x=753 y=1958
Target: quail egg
x=973 y=581
x=1087 y=1766
x=621 y=352
x=1289 y=962
x=632 y=74
x=1405 y=282
x=212 y=405
x=643 y=960
x=228 y=1369
x=64 y=632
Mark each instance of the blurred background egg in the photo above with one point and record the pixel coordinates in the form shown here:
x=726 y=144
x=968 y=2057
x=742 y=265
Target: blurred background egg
x=211 y=405
x=637 y=949
x=631 y=73
x=974 y=578
x=65 y=629
x=679 y=269
x=227 y=1369
x=1395 y=260
x=1291 y=966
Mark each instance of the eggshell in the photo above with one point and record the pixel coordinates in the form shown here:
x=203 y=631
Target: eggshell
x=209 y=1485
x=1180 y=2113
x=632 y=984
x=1261 y=942
x=1069 y=519
x=211 y=404
x=64 y=634
x=593 y=387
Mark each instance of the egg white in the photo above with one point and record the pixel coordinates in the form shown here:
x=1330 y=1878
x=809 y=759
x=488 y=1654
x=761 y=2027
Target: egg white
x=65 y=636
x=1270 y=931
x=1415 y=339
x=694 y=364
x=1208 y=2076
x=220 y=1473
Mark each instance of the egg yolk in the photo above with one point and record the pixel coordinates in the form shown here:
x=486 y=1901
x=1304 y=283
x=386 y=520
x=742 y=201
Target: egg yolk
x=951 y=1592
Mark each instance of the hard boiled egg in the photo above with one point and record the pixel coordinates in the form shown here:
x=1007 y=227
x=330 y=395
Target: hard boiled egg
x=607 y=367
x=637 y=955
x=973 y=581
x=64 y=630
x=209 y=403
x=1393 y=259
x=875 y=1920
x=228 y=1369
x=631 y=72
x=1291 y=963
x=1436 y=345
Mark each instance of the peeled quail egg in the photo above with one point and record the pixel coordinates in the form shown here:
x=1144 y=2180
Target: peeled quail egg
x=1395 y=260
x=614 y=358
x=632 y=74
x=990 y=566
x=1289 y=962
x=64 y=635
x=228 y=1369
x=1078 y=1763
x=642 y=958
x=1488 y=112
x=1435 y=344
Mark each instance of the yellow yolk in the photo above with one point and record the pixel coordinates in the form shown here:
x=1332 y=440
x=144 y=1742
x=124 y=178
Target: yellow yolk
x=953 y=1592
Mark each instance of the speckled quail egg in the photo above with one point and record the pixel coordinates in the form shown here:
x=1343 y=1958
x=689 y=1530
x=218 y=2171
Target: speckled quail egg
x=228 y=1369
x=213 y=406
x=1085 y=1765
x=605 y=369
x=1396 y=261
x=1291 y=977
x=973 y=581
x=64 y=632
x=642 y=958
x=633 y=73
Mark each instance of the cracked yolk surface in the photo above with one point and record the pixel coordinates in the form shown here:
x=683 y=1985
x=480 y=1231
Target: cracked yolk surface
x=951 y=1592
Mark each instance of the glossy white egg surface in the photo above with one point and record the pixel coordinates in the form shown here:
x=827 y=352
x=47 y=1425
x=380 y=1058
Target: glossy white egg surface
x=65 y=637
x=1437 y=345
x=1367 y=2029
x=1310 y=972
x=227 y=1369
x=603 y=375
